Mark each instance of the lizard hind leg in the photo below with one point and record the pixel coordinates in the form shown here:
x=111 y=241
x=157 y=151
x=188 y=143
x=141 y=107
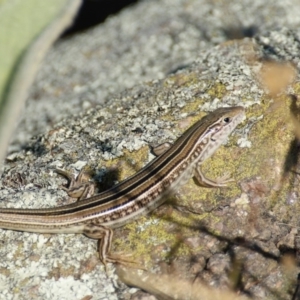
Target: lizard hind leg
x=105 y=235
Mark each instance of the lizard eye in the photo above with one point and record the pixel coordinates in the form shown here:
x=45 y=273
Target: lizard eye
x=226 y=120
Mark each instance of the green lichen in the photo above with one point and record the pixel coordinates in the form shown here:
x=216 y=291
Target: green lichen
x=217 y=90
x=151 y=232
x=181 y=79
x=296 y=88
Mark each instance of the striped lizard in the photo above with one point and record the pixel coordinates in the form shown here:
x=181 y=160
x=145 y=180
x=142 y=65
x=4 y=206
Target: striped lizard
x=97 y=215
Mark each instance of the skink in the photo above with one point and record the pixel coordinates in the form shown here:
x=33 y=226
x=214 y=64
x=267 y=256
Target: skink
x=95 y=216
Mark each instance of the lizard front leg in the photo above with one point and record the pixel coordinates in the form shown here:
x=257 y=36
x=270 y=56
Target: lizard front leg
x=79 y=187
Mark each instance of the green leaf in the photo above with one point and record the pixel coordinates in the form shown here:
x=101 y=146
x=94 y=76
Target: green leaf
x=27 y=29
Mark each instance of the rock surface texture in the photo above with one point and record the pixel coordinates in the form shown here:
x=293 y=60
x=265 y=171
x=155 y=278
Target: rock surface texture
x=142 y=78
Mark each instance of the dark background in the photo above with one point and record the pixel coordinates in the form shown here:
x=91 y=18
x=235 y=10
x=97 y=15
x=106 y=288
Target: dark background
x=93 y=12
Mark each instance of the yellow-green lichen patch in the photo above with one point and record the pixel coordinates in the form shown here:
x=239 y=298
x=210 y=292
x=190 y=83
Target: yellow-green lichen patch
x=194 y=107
x=217 y=90
x=296 y=88
x=223 y=164
x=139 y=235
x=268 y=165
x=269 y=134
x=156 y=237
x=180 y=79
x=270 y=138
